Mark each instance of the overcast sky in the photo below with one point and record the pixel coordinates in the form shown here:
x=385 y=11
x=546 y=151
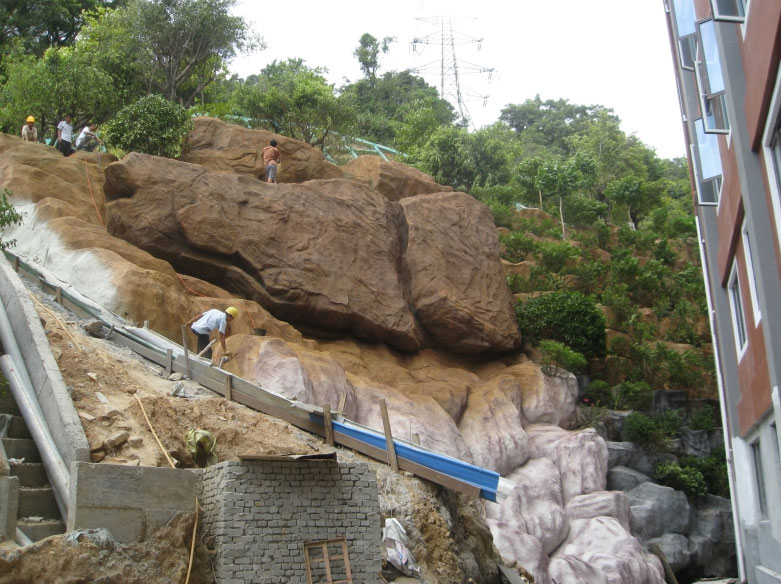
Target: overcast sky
x=612 y=52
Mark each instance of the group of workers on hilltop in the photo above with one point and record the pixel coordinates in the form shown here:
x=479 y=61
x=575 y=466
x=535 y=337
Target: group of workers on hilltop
x=86 y=140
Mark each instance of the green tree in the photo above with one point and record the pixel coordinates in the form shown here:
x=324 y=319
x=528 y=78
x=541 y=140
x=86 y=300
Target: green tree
x=638 y=196
x=40 y=24
x=292 y=99
x=63 y=81
x=152 y=125
x=368 y=53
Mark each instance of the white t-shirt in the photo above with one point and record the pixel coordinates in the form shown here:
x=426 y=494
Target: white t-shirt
x=66 y=131
x=82 y=135
x=211 y=320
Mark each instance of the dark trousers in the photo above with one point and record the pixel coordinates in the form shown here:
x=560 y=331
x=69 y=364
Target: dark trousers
x=203 y=340
x=65 y=147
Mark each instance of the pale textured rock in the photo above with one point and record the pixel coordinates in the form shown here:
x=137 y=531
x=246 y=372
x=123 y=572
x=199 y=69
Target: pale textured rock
x=712 y=537
x=457 y=284
x=409 y=415
x=491 y=425
x=572 y=570
x=546 y=399
x=603 y=543
x=517 y=546
x=535 y=506
x=393 y=179
x=307 y=376
x=581 y=457
x=600 y=504
x=656 y=509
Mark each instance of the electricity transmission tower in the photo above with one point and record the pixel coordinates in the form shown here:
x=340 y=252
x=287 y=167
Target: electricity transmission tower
x=448 y=67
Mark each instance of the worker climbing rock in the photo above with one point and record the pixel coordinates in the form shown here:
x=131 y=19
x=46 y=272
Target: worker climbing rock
x=206 y=322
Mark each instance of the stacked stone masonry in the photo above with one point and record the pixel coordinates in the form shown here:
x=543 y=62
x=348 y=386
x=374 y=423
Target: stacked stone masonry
x=258 y=515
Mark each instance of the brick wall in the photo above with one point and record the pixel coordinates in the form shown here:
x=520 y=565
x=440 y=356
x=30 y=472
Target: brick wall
x=257 y=515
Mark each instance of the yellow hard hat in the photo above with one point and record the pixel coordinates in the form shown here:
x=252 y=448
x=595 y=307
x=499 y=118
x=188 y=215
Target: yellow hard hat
x=30 y=119
x=232 y=311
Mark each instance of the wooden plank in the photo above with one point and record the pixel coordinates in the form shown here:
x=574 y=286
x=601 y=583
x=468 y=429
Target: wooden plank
x=169 y=357
x=327 y=423
x=440 y=478
x=229 y=387
x=186 y=356
x=390 y=448
x=58 y=295
x=288 y=415
x=342 y=400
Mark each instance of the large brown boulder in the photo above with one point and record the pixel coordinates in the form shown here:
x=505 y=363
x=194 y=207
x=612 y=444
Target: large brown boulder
x=456 y=281
x=33 y=171
x=393 y=179
x=323 y=255
x=327 y=255
x=223 y=147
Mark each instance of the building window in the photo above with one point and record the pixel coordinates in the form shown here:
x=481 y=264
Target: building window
x=732 y=10
x=759 y=476
x=710 y=80
x=685 y=23
x=738 y=317
x=752 y=278
x=707 y=166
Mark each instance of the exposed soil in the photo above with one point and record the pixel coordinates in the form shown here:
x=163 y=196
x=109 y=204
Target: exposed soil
x=105 y=379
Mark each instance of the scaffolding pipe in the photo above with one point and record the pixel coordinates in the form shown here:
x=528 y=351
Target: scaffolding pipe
x=36 y=424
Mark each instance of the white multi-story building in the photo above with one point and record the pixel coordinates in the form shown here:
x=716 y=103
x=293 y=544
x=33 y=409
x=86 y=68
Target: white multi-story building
x=726 y=57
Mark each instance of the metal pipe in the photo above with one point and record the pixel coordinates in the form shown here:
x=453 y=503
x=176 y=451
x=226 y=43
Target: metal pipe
x=36 y=424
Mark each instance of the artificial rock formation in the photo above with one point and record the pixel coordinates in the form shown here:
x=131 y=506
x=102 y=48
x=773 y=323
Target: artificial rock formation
x=328 y=256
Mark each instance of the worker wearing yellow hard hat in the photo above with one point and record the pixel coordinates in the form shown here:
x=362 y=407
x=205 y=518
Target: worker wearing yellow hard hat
x=212 y=320
x=29 y=131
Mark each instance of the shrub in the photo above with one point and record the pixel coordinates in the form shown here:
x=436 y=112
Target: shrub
x=583 y=211
x=152 y=125
x=561 y=356
x=703 y=419
x=639 y=428
x=598 y=394
x=568 y=317
x=633 y=395
x=683 y=478
x=503 y=215
x=8 y=216
x=517 y=245
x=617 y=297
x=554 y=256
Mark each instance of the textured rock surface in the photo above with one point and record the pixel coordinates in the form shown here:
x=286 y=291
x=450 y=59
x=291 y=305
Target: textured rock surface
x=456 y=284
x=223 y=147
x=656 y=509
x=581 y=457
x=600 y=504
x=517 y=546
x=393 y=179
x=328 y=255
x=604 y=544
x=622 y=478
x=536 y=505
x=491 y=425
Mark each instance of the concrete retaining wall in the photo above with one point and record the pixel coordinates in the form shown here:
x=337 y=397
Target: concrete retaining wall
x=259 y=514
x=53 y=397
x=130 y=501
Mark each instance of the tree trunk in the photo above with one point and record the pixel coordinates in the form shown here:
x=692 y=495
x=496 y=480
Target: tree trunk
x=561 y=217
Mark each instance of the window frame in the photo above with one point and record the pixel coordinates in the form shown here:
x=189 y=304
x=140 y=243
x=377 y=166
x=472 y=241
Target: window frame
x=737 y=311
x=716 y=12
x=700 y=181
x=759 y=478
x=708 y=97
x=748 y=256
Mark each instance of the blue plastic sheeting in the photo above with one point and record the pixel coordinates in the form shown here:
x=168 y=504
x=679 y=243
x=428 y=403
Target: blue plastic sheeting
x=486 y=480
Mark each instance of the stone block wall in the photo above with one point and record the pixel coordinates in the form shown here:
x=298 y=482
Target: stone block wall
x=258 y=515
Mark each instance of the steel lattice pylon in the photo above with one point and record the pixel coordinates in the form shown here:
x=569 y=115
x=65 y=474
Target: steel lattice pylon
x=448 y=67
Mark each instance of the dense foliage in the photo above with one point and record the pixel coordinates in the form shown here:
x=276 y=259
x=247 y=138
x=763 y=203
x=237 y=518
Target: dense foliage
x=8 y=216
x=152 y=125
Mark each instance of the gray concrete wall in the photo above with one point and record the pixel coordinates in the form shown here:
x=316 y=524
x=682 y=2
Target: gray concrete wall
x=53 y=397
x=258 y=515
x=130 y=501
